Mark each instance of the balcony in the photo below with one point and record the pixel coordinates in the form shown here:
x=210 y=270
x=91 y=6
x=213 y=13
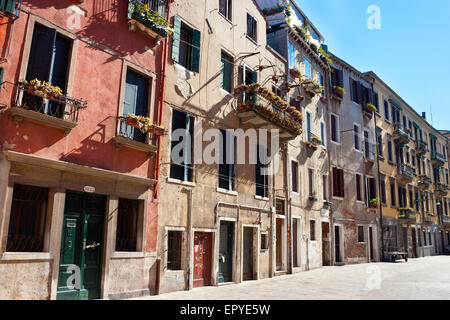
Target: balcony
x=441 y=189
x=406 y=173
x=401 y=134
x=446 y=220
x=313 y=141
x=427 y=218
x=312 y=87
x=421 y=147
x=369 y=109
x=44 y=104
x=10 y=8
x=370 y=153
x=437 y=159
x=424 y=182
x=260 y=107
x=407 y=215
x=147 y=16
x=133 y=134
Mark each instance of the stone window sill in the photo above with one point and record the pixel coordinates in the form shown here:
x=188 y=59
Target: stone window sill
x=21 y=256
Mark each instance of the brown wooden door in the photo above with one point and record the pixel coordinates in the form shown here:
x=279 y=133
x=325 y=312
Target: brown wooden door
x=248 y=254
x=279 y=256
x=371 y=243
x=202 y=259
x=294 y=242
x=337 y=244
x=414 y=242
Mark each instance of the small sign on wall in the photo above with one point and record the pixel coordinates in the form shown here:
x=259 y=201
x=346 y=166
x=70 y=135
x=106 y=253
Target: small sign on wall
x=89 y=189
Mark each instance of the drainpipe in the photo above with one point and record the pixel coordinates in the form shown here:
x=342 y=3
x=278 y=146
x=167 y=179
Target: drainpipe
x=161 y=106
x=381 y=246
x=290 y=265
x=189 y=239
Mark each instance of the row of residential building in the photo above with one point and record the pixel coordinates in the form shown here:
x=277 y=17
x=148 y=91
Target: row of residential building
x=89 y=189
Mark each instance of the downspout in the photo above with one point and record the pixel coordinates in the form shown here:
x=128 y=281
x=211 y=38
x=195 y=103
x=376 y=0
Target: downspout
x=330 y=187
x=161 y=106
x=381 y=255
x=189 y=239
x=290 y=252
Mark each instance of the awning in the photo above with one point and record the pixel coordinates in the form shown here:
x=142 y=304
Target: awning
x=432 y=136
x=416 y=125
x=395 y=104
x=400 y=144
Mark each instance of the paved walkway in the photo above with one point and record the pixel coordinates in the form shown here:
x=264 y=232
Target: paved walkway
x=423 y=278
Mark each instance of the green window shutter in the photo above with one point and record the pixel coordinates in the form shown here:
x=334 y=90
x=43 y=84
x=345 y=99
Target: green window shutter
x=10 y=6
x=1 y=77
x=195 y=62
x=176 y=39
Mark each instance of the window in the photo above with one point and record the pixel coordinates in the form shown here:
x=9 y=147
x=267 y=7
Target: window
x=186 y=45
x=246 y=76
x=225 y=8
x=357 y=138
x=27 y=220
x=371 y=185
x=227 y=71
x=181 y=151
x=402 y=196
x=358 y=188
x=334 y=128
x=322 y=133
x=355 y=90
x=226 y=167
x=292 y=56
x=386 y=110
x=322 y=83
x=261 y=177
x=308 y=125
x=393 y=196
x=389 y=147
x=174 y=245
x=383 y=189
x=135 y=102
x=307 y=68
x=251 y=27
x=324 y=187
x=376 y=101
x=279 y=206
x=48 y=61
x=312 y=191
x=338 y=182
x=294 y=168
x=264 y=241
x=380 y=142
x=127 y=224
x=360 y=233
x=312 y=230
x=395 y=115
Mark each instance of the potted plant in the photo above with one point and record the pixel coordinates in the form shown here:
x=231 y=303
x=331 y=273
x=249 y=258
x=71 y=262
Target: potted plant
x=313 y=196
x=373 y=203
x=371 y=107
x=339 y=90
x=327 y=203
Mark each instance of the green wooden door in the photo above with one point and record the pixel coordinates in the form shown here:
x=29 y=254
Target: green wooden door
x=81 y=247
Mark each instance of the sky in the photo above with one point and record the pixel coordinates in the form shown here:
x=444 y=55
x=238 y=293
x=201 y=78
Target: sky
x=410 y=52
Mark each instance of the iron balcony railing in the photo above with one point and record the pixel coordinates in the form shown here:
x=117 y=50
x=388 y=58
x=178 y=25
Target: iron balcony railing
x=407 y=214
x=427 y=218
x=425 y=181
x=441 y=188
x=61 y=106
x=128 y=131
x=153 y=18
x=446 y=219
x=401 y=133
x=406 y=172
x=437 y=157
x=421 y=147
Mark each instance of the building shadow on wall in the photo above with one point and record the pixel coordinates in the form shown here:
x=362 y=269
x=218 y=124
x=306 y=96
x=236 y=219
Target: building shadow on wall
x=97 y=152
x=106 y=20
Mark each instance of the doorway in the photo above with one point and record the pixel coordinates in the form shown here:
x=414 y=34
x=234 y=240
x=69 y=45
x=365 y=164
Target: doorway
x=295 y=246
x=202 y=259
x=279 y=244
x=81 y=247
x=337 y=244
x=226 y=251
x=326 y=244
x=371 y=245
x=414 y=242
x=405 y=239
x=247 y=254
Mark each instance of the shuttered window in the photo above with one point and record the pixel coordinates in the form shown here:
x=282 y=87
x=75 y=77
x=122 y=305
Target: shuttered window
x=294 y=168
x=227 y=71
x=186 y=45
x=386 y=110
x=334 y=128
x=225 y=8
x=8 y=6
x=358 y=188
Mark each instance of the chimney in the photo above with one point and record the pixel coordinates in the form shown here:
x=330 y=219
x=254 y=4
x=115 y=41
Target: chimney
x=424 y=115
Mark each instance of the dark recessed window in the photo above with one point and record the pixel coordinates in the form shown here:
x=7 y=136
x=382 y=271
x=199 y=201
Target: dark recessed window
x=251 y=27
x=360 y=234
x=27 y=220
x=175 y=239
x=225 y=8
x=127 y=223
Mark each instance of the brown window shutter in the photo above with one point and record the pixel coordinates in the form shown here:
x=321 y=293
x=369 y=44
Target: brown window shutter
x=342 y=182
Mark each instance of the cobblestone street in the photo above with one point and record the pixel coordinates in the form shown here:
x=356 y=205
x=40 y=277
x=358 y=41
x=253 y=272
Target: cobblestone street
x=424 y=278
